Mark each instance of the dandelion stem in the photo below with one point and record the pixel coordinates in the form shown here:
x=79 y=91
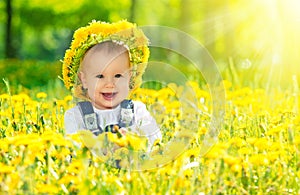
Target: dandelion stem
x=6 y=82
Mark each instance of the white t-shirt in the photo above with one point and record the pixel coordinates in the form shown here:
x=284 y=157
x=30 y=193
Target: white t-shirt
x=144 y=124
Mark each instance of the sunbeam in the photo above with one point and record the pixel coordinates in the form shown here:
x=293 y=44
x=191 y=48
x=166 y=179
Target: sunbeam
x=264 y=32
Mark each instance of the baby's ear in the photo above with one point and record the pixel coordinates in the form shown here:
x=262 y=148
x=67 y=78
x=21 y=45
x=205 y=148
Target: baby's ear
x=82 y=79
x=130 y=75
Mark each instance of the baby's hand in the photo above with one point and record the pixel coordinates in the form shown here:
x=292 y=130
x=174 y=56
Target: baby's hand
x=123 y=131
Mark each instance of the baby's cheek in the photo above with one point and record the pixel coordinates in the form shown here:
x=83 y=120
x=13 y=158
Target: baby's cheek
x=99 y=86
x=97 y=83
x=126 y=84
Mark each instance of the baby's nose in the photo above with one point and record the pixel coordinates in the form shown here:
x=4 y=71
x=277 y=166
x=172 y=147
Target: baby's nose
x=109 y=82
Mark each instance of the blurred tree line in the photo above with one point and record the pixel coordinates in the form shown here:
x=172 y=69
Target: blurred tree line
x=37 y=29
x=250 y=41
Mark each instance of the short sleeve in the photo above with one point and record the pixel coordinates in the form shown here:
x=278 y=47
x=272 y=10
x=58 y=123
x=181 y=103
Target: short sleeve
x=73 y=121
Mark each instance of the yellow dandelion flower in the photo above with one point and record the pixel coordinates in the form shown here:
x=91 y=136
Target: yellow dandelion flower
x=236 y=168
x=75 y=167
x=230 y=160
x=157 y=142
x=298 y=174
x=297 y=140
x=15 y=178
x=4 y=145
x=127 y=177
x=122 y=141
x=69 y=178
x=4 y=96
x=22 y=97
x=26 y=139
x=244 y=151
x=137 y=142
x=214 y=152
x=192 y=153
x=69 y=55
x=188 y=173
x=275 y=130
x=123 y=24
x=273 y=155
x=41 y=95
x=6 y=168
x=262 y=144
x=202 y=130
x=98 y=28
x=227 y=84
x=112 y=137
x=251 y=140
x=45 y=105
x=259 y=160
x=47 y=188
x=239 y=142
x=80 y=35
x=60 y=103
x=68 y=98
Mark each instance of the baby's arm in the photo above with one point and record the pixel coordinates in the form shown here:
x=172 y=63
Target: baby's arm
x=145 y=123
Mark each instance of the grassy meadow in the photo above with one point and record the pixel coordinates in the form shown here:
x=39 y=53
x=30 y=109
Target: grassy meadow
x=257 y=151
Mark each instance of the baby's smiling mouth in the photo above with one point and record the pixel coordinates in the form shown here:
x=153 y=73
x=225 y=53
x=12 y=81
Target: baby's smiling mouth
x=109 y=95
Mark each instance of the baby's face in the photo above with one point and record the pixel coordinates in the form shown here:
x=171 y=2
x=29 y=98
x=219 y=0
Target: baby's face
x=106 y=76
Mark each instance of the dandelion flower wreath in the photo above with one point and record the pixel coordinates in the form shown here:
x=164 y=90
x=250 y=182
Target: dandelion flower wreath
x=122 y=32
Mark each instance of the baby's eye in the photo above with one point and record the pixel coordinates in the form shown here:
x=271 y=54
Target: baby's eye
x=100 y=76
x=118 y=75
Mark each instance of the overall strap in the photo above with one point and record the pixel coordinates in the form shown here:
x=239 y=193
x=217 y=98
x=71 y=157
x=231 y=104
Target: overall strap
x=127 y=113
x=91 y=122
x=89 y=117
